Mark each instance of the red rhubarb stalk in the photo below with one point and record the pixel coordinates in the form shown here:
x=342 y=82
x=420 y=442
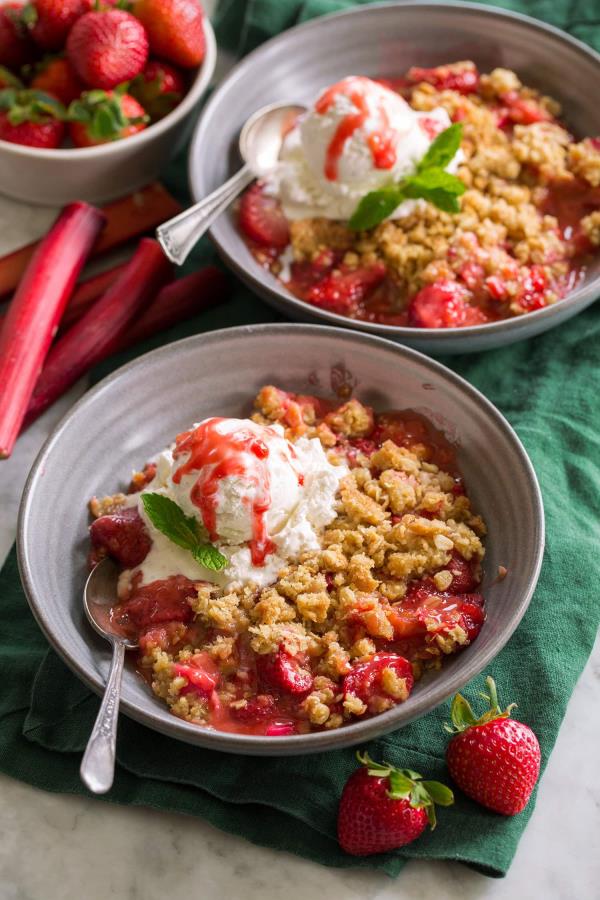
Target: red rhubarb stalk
x=86 y=343
x=125 y=219
x=85 y=293
x=177 y=302
x=36 y=310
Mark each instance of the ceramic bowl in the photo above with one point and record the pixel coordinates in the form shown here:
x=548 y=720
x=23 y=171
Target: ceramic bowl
x=100 y=174
x=129 y=416
x=384 y=41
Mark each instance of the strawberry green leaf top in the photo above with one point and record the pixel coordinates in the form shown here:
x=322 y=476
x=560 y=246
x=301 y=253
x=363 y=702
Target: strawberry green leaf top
x=430 y=182
x=30 y=106
x=169 y=518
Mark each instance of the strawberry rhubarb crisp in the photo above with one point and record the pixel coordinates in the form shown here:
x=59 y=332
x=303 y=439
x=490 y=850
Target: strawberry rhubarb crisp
x=445 y=198
x=297 y=570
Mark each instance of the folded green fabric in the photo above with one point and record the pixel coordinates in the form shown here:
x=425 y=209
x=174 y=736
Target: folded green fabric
x=548 y=389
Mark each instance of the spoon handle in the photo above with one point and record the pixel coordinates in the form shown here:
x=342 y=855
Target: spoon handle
x=98 y=764
x=178 y=236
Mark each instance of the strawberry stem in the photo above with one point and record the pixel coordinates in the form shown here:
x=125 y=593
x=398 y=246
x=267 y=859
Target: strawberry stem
x=462 y=714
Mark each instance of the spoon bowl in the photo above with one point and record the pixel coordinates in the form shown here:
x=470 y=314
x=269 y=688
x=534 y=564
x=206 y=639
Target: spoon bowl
x=98 y=764
x=259 y=144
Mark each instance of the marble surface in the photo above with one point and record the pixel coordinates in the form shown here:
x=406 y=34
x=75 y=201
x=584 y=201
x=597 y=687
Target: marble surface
x=57 y=847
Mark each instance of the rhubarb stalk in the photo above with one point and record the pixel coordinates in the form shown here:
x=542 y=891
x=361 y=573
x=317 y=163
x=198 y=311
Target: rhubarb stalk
x=84 y=295
x=86 y=343
x=36 y=309
x=178 y=301
x=125 y=219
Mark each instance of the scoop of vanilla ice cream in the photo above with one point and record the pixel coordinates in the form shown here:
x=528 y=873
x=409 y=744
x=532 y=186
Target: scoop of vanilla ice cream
x=302 y=488
x=300 y=179
x=237 y=494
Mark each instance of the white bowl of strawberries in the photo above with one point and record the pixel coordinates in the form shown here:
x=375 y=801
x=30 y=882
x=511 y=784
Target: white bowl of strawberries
x=94 y=99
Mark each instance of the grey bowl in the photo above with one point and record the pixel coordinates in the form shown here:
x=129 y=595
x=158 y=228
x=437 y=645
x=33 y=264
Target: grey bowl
x=136 y=411
x=379 y=41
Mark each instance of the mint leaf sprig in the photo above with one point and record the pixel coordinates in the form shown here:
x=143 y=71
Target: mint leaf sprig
x=430 y=182
x=169 y=518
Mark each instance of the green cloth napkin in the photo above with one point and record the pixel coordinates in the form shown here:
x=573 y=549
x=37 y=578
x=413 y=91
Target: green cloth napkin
x=548 y=389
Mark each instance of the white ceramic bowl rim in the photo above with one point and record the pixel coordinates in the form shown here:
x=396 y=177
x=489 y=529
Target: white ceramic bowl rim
x=394 y=331
x=313 y=742
x=201 y=80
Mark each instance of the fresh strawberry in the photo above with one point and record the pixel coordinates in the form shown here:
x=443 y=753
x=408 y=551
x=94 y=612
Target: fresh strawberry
x=284 y=672
x=50 y=21
x=8 y=80
x=175 y=30
x=442 y=304
x=262 y=219
x=383 y=807
x=343 y=290
x=107 y=48
x=494 y=759
x=16 y=47
x=56 y=77
x=160 y=601
x=32 y=118
x=159 y=89
x=461 y=77
x=121 y=535
x=99 y=117
x=367 y=680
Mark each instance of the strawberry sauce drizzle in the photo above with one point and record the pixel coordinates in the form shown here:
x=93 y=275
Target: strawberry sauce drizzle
x=219 y=454
x=381 y=140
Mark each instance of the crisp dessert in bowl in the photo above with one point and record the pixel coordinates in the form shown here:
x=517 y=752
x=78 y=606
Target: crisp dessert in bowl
x=443 y=198
x=298 y=570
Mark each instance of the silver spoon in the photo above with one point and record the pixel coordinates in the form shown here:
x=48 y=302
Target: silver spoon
x=259 y=143
x=98 y=764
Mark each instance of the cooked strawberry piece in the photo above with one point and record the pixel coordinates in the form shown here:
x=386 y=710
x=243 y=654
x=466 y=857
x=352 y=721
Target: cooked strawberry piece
x=123 y=536
x=284 y=672
x=262 y=218
x=496 y=288
x=160 y=601
x=463 y=580
x=343 y=290
x=523 y=111
x=532 y=292
x=365 y=679
x=464 y=79
x=280 y=729
x=442 y=304
x=162 y=636
x=425 y=611
x=256 y=708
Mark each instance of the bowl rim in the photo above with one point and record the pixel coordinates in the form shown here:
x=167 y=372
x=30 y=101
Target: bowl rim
x=200 y=82
x=302 y=308
x=315 y=741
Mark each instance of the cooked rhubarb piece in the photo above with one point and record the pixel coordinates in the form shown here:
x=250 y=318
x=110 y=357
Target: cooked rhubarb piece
x=36 y=310
x=87 y=341
x=384 y=679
